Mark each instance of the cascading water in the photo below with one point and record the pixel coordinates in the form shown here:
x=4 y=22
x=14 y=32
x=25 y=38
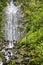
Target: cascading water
x=11 y=25
x=12 y=32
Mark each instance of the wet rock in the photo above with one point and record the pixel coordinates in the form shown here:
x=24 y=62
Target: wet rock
x=5 y=64
x=4 y=61
x=6 y=49
x=3 y=46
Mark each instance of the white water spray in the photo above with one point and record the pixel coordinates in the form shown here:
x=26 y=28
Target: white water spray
x=11 y=26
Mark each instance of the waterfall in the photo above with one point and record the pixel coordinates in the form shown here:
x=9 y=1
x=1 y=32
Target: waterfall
x=12 y=32
x=11 y=25
x=12 y=16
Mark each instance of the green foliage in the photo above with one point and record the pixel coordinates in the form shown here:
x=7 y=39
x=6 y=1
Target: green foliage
x=33 y=40
x=2 y=5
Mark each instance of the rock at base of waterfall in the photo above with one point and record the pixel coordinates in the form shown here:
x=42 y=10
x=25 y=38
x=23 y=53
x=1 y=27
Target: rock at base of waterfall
x=4 y=62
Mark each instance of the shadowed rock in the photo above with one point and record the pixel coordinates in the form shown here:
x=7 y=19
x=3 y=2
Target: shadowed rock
x=4 y=62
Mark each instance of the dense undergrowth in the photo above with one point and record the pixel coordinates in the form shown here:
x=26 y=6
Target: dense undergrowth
x=30 y=47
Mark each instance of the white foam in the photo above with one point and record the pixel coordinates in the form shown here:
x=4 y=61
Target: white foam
x=1 y=63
